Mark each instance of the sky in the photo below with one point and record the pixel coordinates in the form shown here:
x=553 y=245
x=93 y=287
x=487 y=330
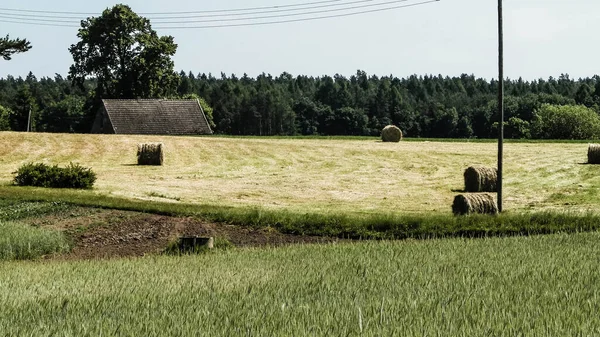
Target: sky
x=543 y=38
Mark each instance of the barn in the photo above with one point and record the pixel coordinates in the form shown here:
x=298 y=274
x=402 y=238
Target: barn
x=151 y=117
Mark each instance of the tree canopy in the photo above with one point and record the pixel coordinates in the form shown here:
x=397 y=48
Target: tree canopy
x=565 y=122
x=421 y=106
x=9 y=46
x=125 y=55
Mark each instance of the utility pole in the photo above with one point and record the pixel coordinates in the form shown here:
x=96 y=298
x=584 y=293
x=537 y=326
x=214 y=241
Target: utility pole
x=500 y=102
x=29 y=120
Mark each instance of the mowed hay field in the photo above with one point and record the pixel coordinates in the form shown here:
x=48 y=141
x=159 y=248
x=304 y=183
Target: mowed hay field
x=313 y=174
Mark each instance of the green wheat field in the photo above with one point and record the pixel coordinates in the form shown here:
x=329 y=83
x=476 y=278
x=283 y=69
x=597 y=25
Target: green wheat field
x=519 y=286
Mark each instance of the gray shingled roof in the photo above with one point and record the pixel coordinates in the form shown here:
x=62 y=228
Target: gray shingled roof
x=156 y=116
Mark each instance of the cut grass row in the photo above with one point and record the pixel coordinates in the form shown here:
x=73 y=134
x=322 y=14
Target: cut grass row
x=521 y=286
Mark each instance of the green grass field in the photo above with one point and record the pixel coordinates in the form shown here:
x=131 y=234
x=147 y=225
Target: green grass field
x=362 y=176
x=21 y=242
x=519 y=286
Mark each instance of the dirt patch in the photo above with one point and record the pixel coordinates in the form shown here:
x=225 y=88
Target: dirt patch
x=111 y=234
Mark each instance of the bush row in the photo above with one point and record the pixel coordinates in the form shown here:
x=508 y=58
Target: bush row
x=43 y=175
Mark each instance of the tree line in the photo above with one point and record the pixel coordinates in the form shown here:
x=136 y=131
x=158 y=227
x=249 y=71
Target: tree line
x=119 y=55
x=361 y=105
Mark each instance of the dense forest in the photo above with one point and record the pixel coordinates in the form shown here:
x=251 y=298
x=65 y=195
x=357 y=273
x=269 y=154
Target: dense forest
x=362 y=104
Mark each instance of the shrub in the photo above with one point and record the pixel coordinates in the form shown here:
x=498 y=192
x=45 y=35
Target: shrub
x=565 y=122
x=43 y=175
x=76 y=176
x=517 y=128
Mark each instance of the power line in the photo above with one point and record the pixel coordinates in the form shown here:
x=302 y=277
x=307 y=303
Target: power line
x=289 y=15
x=183 y=12
x=246 y=24
x=19 y=15
x=35 y=20
x=39 y=24
x=279 y=10
x=251 y=17
x=302 y=19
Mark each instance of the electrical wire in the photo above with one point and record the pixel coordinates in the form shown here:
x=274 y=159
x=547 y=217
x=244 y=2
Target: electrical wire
x=183 y=12
x=279 y=10
x=2 y=19
x=302 y=19
x=249 y=18
x=35 y=20
x=288 y=15
x=39 y=24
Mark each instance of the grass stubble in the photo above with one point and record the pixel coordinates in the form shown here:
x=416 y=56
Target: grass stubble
x=320 y=175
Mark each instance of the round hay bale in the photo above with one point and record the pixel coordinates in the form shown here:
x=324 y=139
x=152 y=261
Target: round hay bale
x=391 y=133
x=482 y=203
x=150 y=154
x=481 y=179
x=594 y=154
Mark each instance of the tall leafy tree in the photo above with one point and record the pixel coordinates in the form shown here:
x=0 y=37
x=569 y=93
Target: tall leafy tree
x=9 y=46
x=63 y=116
x=24 y=106
x=463 y=128
x=126 y=56
x=5 y=118
x=308 y=114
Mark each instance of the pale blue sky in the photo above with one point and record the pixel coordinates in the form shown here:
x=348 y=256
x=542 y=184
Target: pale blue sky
x=450 y=37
